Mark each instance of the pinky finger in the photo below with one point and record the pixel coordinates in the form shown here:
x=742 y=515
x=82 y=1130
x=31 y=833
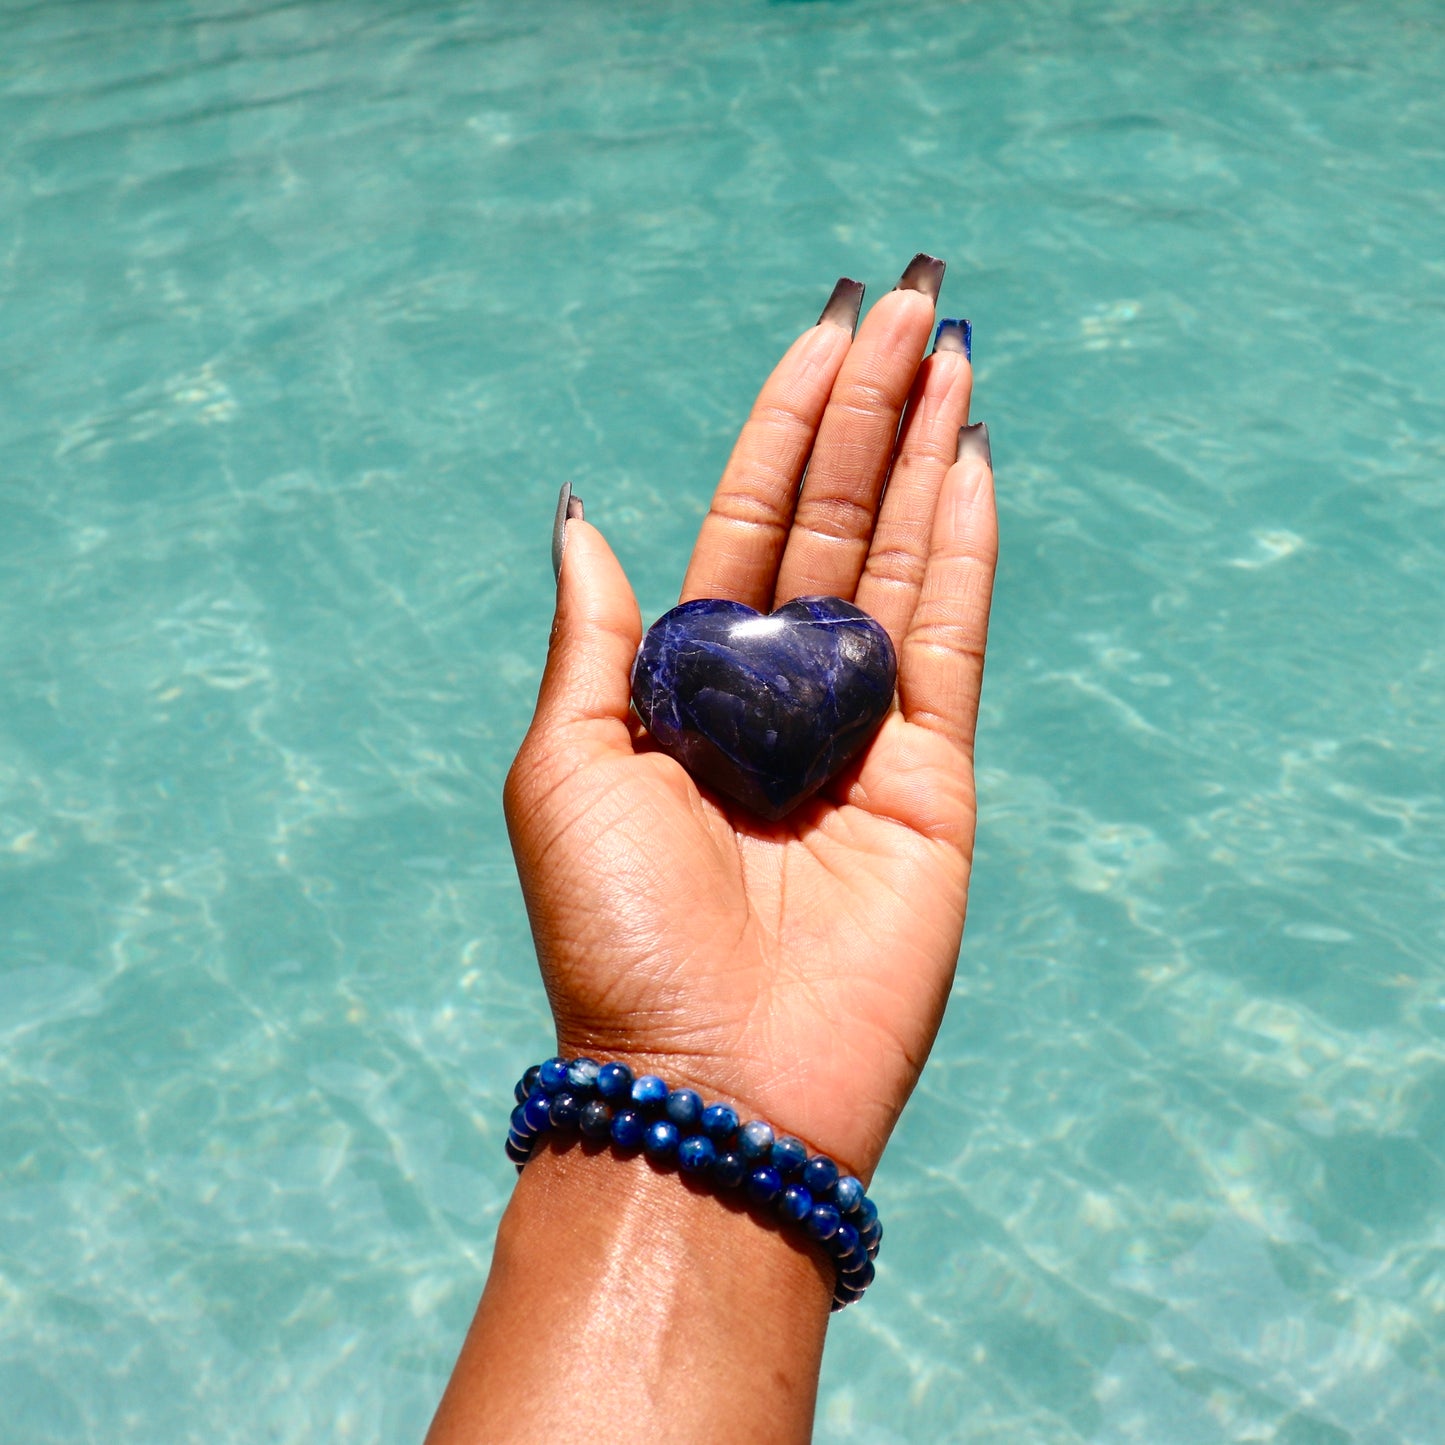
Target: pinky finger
x=940 y=669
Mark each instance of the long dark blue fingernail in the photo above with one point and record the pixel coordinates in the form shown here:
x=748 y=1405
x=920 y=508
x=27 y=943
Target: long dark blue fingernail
x=923 y=273
x=954 y=336
x=973 y=444
x=844 y=305
x=568 y=509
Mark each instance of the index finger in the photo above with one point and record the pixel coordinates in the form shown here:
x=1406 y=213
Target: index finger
x=743 y=535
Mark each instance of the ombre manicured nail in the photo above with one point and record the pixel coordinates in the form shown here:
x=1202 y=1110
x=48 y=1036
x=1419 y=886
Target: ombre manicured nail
x=568 y=509
x=954 y=336
x=844 y=305
x=973 y=444
x=923 y=273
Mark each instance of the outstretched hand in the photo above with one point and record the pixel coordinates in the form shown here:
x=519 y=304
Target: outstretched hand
x=797 y=968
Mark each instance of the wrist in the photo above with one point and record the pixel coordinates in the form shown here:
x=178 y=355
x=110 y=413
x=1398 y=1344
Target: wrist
x=682 y=1240
x=601 y=1105
x=816 y=1112
x=666 y=1308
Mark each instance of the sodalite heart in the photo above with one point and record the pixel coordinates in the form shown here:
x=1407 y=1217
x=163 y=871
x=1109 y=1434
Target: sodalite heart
x=764 y=709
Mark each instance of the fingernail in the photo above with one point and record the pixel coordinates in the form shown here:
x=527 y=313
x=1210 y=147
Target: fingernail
x=568 y=508
x=923 y=273
x=973 y=443
x=954 y=336
x=844 y=305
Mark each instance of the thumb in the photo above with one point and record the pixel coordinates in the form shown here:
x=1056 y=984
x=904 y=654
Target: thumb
x=587 y=684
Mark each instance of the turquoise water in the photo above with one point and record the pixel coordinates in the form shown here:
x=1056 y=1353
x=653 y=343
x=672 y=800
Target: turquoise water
x=305 y=310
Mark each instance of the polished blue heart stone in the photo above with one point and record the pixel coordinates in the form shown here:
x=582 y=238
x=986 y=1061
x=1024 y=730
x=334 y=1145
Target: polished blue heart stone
x=765 y=709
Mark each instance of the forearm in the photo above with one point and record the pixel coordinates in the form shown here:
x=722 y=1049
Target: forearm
x=627 y=1304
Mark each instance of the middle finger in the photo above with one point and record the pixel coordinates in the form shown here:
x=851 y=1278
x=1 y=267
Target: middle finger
x=849 y=466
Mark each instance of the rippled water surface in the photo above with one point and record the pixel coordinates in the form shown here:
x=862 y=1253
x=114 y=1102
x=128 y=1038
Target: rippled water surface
x=304 y=312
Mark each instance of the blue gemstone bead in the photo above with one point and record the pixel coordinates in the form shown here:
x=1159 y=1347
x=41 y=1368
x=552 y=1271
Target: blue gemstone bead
x=582 y=1075
x=764 y=1185
x=661 y=1139
x=595 y=1120
x=520 y=1091
x=788 y=1155
x=795 y=1204
x=554 y=1075
x=842 y=1295
x=649 y=1092
x=823 y=1221
x=858 y=1275
x=517 y=1153
x=848 y=1193
x=871 y=1238
x=730 y=1170
x=684 y=1108
x=526 y=1124
x=719 y=1123
x=628 y=1127
x=867 y=1213
x=846 y=1241
x=530 y=1078
x=536 y=1111
x=614 y=1082
x=696 y=1154
x=756 y=1140
x=820 y=1174
x=565 y=1108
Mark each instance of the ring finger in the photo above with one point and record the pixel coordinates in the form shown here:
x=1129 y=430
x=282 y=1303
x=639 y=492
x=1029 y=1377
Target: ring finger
x=927 y=446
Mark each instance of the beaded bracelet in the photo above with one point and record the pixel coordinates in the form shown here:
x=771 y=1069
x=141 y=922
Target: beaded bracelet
x=604 y=1103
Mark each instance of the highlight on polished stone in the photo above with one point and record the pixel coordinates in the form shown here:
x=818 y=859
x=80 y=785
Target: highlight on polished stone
x=764 y=708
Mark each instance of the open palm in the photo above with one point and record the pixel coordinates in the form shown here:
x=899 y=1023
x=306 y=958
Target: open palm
x=799 y=968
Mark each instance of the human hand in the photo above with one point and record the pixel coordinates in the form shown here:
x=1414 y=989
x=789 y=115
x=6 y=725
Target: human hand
x=797 y=968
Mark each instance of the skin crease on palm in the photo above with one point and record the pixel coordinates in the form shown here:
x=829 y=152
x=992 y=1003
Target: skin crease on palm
x=798 y=969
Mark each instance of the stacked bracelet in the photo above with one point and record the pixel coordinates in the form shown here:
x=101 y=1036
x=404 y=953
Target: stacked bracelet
x=605 y=1103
